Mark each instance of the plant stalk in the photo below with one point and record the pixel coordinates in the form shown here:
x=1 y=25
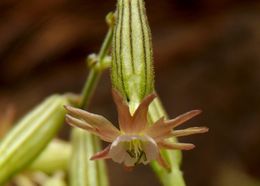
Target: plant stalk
x=90 y=173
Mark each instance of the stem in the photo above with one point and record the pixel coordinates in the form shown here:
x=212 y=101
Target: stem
x=82 y=171
x=106 y=45
x=96 y=71
x=89 y=87
x=174 y=177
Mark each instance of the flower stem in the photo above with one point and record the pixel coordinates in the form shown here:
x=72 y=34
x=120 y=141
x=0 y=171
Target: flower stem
x=89 y=87
x=174 y=177
x=83 y=171
x=96 y=70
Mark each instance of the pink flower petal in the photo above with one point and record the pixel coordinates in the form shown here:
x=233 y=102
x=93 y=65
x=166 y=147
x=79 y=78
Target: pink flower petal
x=180 y=133
x=117 y=151
x=124 y=116
x=171 y=146
x=182 y=118
x=102 y=154
x=106 y=136
x=94 y=123
x=163 y=129
x=158 y=130
x=189 y=131
x=140 y=115
x=79 y=123
x=150 y=148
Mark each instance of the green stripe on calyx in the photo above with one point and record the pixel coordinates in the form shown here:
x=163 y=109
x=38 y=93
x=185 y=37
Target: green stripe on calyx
x=132 y=68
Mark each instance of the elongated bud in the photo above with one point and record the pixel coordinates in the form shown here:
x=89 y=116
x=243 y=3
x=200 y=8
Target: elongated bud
x=31 y=135
x=132 y=66
x=84 y=172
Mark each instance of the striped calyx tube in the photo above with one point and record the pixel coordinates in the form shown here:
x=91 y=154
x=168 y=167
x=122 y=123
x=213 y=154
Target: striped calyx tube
x=132 y=65
x=31 y=135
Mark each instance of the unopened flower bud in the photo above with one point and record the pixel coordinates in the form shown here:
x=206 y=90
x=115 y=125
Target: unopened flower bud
x=82 y=171
x=31 y=135
x=132 y=66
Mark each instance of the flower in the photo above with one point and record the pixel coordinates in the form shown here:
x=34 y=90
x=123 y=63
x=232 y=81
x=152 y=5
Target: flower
x=137 y=141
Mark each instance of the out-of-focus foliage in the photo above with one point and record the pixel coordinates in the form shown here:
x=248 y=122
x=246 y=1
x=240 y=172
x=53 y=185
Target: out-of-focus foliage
x=30 y=136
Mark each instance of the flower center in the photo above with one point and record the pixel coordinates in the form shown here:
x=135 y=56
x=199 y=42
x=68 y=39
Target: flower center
x=133 y=149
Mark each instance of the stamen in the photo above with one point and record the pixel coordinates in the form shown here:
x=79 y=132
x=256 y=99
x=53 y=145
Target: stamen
x=135 y=151
x=131 y=153
x=139 y=158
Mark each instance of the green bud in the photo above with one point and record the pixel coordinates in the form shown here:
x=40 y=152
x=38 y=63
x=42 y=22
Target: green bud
x=85 y=172
x=132 y=65
x=31 y=135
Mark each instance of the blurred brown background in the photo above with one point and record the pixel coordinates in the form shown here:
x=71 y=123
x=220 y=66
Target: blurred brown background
x=207 y=55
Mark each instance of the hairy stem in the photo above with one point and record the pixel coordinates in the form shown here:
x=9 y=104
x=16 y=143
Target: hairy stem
x=96 y=71
x=84 y=172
